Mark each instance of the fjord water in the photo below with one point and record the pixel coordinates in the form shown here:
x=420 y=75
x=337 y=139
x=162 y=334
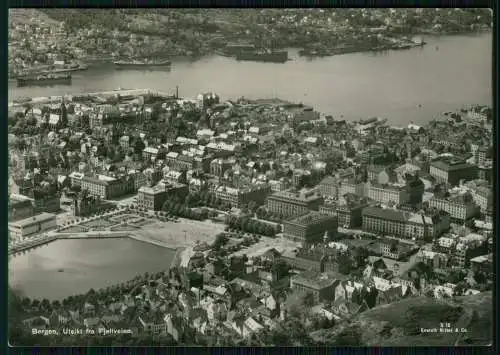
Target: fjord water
x=73 y=266
x=402 y=86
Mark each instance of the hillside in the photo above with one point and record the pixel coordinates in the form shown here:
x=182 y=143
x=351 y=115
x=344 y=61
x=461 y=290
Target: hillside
x=399 y=323
x=30 y=16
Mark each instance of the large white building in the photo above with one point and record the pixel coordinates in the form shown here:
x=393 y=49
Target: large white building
x=32 y=225
x=459 y=211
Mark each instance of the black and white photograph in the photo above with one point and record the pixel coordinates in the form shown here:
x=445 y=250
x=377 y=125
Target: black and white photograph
x=251 y=177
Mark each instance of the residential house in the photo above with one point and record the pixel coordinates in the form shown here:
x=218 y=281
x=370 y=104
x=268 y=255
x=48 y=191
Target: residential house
x=111 y=319
x=152 y=323
x=92 y=322
x=174 y=326
x=434 y=259
x=217 y=311
x=59 y=318
x=198 y=319
x=88 y=309
x=38 y=322
x=247 y=327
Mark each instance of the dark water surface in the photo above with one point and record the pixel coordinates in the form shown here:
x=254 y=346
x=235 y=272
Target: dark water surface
x=445 y=74
x=87 y=264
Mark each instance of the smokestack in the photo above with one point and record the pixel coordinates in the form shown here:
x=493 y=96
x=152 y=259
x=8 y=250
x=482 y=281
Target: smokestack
x=177 y=92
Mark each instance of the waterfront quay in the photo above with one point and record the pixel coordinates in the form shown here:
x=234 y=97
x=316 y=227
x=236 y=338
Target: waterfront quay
x=119 y=91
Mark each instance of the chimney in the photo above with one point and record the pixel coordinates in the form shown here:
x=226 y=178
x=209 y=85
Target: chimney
x=283 y=314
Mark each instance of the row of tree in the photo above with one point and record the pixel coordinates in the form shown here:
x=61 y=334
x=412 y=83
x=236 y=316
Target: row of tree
x=249 y=225
x=183 y=210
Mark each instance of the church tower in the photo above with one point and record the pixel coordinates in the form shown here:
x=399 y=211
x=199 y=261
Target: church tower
x=64 y=114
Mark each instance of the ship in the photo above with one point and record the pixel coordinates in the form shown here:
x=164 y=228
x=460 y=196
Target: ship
x=263 y=56
x=45 y=79
x=123 y=64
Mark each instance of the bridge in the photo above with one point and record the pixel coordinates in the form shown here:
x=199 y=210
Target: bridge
x=35 y=242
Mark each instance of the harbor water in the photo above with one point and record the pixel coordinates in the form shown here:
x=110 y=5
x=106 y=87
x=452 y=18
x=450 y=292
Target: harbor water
x=402 y=86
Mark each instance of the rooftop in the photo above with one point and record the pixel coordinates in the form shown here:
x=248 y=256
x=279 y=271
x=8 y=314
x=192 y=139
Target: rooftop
x=311 y=217
x=304 y=195
x=316 y=280
x=42 y=217
x=451 y=165
x=394 y=215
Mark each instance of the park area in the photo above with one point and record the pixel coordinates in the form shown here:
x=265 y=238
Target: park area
x=74 y=229
x=182 y=233
x=98 y=224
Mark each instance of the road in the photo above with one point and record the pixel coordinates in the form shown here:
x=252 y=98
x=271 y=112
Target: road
x=127 y=201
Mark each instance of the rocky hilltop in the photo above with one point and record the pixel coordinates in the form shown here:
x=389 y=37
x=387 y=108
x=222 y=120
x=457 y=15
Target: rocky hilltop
x=404 y=323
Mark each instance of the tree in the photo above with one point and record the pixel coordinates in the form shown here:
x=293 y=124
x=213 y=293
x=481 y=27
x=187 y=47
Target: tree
x=220 y=240
x=45 y=304
x=139 y=146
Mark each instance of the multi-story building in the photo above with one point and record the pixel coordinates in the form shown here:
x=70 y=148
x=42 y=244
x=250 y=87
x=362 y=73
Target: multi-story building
x=76 y=178
x=153 y=198
x=20 y=207
x=329 y=187
x=289 y=203
x=431 y=226
x=207 y=100
x=32 y=225
x=404 y=224
x=433 y=259
x=300 y=176
x=482 y=155
x=351 y=186
x=329 y=209
x=459 y=210
x=107 y=187
x=219 y=166
x=350 y=215
x=47 y=203
x=485 y=172
x=279 y=185
x=451 y=172
x=395 y=248
x=125 y=142
x=465 y=250
x=238 y=197
x=180 y=162
x=483 y=197
x=395 y=193
x=139 y=178
x=310 y=228
x=321 y=258
x=321 y=286
x=88 y=205
x=173 y=176
x=149 y=153
x=483 y=263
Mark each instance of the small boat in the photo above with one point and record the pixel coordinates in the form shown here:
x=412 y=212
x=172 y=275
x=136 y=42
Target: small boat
x=45 y=79
x=122 y=64
x=60 y=270
x=263 y=56
x=437 y=48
